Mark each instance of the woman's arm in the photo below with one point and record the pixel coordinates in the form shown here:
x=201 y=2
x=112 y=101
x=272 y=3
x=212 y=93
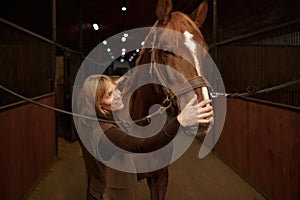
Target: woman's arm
x=141 y=145
x=192 y=115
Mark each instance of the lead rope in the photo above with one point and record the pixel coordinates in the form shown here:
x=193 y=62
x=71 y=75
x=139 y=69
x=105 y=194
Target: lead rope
x=160 y=110
x=253 y=91
x=146 y=118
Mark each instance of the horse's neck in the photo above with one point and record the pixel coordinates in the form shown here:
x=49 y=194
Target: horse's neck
x=142 y=101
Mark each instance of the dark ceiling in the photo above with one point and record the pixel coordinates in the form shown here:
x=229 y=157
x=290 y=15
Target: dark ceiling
x=235 y=17
x=108 y=15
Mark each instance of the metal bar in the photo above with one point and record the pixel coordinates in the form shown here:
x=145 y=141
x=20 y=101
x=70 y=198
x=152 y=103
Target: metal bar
x=54 y=38
x=294 y=108
x=39 y=36
x=26 y=31
x=215 y=29
x=8 y=106
x=254 y=33
x=46 y=40
x=80 y=26
x=54 y=20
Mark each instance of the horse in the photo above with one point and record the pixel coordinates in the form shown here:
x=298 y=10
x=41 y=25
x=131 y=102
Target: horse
x=169 y=53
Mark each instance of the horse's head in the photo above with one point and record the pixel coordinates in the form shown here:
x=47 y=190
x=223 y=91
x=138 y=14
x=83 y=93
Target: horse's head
x=177 y=43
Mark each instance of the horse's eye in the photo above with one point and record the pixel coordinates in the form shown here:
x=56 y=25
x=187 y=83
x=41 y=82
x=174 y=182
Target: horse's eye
x=169 y=52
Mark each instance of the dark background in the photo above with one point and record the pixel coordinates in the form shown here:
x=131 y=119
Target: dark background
x=234 y=18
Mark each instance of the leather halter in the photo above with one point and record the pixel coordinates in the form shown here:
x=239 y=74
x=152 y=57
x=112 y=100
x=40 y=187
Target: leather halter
x=194 y=83
x=191 y=84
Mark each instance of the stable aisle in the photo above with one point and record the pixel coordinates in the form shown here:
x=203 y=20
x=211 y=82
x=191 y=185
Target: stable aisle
x=190 y=178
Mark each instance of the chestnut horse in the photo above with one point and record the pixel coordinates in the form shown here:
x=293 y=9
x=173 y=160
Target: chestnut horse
x=175 y=39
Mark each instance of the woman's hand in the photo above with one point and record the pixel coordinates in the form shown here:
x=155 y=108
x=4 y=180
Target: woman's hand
x=192 y=114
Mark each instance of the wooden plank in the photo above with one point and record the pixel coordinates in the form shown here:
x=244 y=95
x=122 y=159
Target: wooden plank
x=27 y=147
x=261 y=67
x=262 y=144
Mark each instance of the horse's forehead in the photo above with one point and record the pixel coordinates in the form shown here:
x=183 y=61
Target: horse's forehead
x=182 y=22
x=191 y=48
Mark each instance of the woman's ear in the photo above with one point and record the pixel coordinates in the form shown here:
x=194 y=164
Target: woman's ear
x=163 y=11
x=199 y=15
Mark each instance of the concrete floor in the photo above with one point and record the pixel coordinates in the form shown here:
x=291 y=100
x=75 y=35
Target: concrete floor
x=191 y=178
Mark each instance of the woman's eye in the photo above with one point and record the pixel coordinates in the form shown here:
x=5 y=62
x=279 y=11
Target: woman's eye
x=108 y=95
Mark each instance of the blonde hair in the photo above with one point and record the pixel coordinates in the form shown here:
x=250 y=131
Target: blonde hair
x=102 y=89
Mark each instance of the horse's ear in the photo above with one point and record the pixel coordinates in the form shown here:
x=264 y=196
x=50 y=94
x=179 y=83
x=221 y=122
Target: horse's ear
x=199 y=15
x=163 y=11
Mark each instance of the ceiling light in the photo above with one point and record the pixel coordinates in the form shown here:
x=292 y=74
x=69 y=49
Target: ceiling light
x=108 y=49
x=124 y=8
x=104 y=42
x=96 y=27
x=123 y=39
x=125 y=34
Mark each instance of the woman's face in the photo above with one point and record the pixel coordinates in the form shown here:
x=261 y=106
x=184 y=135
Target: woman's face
x=112 y=100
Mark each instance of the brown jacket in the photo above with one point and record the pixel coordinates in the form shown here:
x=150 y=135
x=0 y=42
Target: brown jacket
x=111 y=183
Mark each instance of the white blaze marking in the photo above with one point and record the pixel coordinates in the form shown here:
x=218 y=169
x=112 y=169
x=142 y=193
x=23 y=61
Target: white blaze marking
x=205 y=93
x=190 y=44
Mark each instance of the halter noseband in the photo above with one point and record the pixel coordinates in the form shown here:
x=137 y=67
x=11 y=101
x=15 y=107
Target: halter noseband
x=191 y=84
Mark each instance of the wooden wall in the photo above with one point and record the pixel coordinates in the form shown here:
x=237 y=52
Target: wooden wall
x=259 y=67
x=262 y=143
x=27 y=147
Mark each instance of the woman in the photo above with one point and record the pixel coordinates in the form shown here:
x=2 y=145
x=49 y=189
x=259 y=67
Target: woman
x=99 y=93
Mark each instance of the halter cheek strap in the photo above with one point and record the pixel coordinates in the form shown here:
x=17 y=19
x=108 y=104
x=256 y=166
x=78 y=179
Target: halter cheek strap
x=192 y=84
